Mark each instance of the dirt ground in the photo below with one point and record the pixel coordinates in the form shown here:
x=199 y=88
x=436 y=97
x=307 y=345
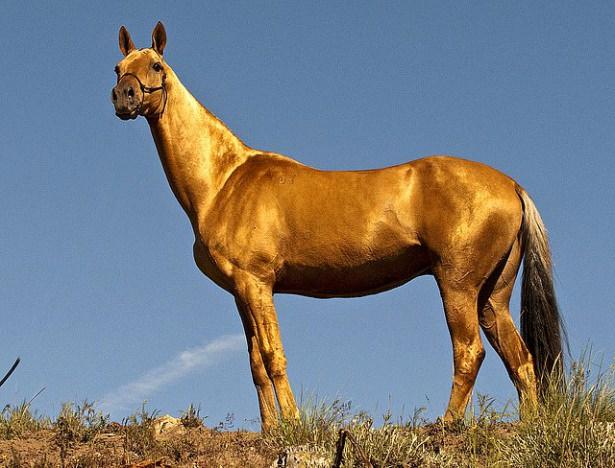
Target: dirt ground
x=195 y=448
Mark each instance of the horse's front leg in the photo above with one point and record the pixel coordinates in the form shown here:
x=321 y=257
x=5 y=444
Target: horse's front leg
x=255 y=303
x=264 y=389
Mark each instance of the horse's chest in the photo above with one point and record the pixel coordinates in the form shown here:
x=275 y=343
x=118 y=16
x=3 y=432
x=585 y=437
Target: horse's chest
x=210 y=267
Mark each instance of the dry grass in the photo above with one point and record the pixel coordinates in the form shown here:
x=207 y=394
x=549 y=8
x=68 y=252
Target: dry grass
x=83 y=437
x=17 y=421
x=575 y=427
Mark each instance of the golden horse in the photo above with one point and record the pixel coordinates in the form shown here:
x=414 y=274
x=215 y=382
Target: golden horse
x=265 y=223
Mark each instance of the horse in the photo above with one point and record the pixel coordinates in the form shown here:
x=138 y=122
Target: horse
x=264 y=223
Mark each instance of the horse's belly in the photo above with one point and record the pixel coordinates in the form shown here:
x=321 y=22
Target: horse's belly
x=355 y=278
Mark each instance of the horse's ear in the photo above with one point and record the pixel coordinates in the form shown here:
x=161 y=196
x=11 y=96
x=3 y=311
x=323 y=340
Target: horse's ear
x=126 y=44
x=159 y=38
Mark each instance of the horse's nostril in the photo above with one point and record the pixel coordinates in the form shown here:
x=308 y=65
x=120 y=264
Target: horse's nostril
x=113 y=95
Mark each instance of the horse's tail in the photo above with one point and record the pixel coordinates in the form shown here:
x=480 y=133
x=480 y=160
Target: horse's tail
x=542 y=328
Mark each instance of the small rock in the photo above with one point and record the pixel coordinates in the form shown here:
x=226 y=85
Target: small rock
x=301 y=457
x=167 y=425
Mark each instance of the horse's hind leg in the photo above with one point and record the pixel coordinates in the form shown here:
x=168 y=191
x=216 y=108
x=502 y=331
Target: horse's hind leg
x=500 y=329
x=460 y=307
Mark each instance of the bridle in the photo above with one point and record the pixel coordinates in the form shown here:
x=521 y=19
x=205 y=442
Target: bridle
x=148 y=90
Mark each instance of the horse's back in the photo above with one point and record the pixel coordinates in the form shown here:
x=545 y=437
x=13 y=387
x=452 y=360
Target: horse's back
x=356 y=232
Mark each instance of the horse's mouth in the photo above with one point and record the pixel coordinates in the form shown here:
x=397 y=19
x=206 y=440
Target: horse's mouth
x=128 y=115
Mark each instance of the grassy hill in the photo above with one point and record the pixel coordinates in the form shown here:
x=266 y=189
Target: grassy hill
x=575 y=427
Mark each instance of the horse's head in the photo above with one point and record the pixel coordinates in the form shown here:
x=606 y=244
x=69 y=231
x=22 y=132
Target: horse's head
x=141 y=74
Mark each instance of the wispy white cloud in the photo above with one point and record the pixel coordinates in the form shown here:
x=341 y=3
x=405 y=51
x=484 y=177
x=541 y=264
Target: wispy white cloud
x=198 y=358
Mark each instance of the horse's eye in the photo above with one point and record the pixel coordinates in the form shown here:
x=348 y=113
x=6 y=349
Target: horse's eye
x=157 y=66
x=117 y=70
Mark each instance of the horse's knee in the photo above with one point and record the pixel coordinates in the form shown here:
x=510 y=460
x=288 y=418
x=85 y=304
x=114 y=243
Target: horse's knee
x=275 y=362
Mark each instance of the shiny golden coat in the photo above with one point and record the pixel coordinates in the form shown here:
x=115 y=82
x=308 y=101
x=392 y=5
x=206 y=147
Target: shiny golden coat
x=266 y=224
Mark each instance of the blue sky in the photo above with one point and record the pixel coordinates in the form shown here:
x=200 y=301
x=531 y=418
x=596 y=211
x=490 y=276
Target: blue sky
x=98 y=291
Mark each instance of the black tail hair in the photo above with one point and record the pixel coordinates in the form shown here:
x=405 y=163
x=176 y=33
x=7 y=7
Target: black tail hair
x=542 y=327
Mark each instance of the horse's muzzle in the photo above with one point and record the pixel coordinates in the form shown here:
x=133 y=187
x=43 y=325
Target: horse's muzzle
x=127 y=98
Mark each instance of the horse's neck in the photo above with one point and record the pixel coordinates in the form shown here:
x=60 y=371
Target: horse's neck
x=198 y=152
